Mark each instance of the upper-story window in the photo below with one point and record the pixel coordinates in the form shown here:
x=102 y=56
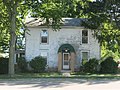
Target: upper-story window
x=44 y=36
x=85 y=36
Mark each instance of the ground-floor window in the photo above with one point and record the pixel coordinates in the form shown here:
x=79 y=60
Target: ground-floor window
x=85 y=56
x=44 y=55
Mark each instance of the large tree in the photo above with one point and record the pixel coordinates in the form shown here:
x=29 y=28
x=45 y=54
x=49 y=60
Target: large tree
x=13 y=11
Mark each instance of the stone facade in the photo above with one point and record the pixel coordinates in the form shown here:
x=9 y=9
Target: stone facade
x=66 y=35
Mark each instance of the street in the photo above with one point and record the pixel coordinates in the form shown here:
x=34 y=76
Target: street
x=59 y=84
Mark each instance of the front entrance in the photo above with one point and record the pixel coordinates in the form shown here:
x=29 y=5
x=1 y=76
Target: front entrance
x=66 y=58
x=66 y=61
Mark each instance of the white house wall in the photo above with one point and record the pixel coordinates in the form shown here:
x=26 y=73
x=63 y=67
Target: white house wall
x=71 y=36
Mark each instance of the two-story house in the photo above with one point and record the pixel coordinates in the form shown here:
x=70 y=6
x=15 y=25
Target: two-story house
x=64 y=49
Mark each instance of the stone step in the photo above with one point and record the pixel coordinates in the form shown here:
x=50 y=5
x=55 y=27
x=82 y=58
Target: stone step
x=66 y=73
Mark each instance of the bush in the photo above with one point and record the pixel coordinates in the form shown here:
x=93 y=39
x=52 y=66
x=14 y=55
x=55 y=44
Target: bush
x=4 y=65
x=22 y=64
x=38 y=64
x=91 y=66
x=109 y=66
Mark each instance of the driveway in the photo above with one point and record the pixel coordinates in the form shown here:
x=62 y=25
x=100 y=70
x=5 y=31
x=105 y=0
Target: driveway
x=59 y=84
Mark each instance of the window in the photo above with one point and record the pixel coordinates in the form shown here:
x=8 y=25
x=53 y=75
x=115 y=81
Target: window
x=85 y=56
x=44 y=36
x=84 y=36
x=66 y=56
x=44 y=55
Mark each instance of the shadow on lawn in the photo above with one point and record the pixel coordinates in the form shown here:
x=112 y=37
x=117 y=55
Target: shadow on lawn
x=54 y=82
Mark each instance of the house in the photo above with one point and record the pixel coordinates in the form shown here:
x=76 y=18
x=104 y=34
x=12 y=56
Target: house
x=64 y=49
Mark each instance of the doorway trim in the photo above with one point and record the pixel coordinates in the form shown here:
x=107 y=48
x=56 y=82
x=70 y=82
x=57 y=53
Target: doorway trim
x=66 y=49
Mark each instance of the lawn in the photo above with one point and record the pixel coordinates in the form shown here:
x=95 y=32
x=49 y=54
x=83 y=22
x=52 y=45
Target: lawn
x=60 y=75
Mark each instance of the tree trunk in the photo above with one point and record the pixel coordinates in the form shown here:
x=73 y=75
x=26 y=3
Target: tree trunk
x=12 y=41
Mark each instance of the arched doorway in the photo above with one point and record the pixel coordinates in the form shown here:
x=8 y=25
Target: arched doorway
x=66 y=57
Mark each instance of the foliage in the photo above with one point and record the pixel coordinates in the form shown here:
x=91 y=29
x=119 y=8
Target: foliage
x=109 y=66
x=103 y=17
x=91 y=66
x=52 y=11
x=5 y=18
x=4 y=36
x=3 y=65
x=106 y=53
x=38 y=64
x=22 y=64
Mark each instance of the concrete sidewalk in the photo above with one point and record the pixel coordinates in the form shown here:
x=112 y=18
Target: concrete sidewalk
x=59 y=84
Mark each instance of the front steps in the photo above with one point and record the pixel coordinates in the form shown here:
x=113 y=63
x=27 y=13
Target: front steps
x=66 y=73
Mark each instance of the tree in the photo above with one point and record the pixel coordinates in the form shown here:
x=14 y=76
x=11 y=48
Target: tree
x=11 y=6
x=103 y=16
x=11 y=23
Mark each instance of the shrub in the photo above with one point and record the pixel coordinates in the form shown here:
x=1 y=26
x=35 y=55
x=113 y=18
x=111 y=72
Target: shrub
x=91 y=66
x=4 y=65
x=109 y=66
x=22 y=64
x=38 y=64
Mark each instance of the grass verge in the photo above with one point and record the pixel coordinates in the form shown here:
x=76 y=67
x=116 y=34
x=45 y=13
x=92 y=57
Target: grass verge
x=60 y=75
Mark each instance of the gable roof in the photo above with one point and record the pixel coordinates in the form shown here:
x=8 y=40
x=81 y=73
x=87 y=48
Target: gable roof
x=32 y=22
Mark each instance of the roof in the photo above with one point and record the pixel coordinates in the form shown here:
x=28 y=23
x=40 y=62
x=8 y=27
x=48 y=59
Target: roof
x=72 y=21
x=65 y=22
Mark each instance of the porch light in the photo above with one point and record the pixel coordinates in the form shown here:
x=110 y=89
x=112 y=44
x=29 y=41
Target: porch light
x=66 y=49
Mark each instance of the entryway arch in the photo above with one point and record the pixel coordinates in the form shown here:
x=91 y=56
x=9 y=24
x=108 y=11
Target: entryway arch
x=66 y=57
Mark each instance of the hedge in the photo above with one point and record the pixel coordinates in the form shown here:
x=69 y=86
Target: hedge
x=4 y=65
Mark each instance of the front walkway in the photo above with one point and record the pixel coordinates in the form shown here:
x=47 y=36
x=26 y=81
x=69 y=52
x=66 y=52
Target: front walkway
x=59 y=84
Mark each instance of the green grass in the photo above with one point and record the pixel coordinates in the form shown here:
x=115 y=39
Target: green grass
x=98 y=76
x=31 y=75
x=59 y=75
